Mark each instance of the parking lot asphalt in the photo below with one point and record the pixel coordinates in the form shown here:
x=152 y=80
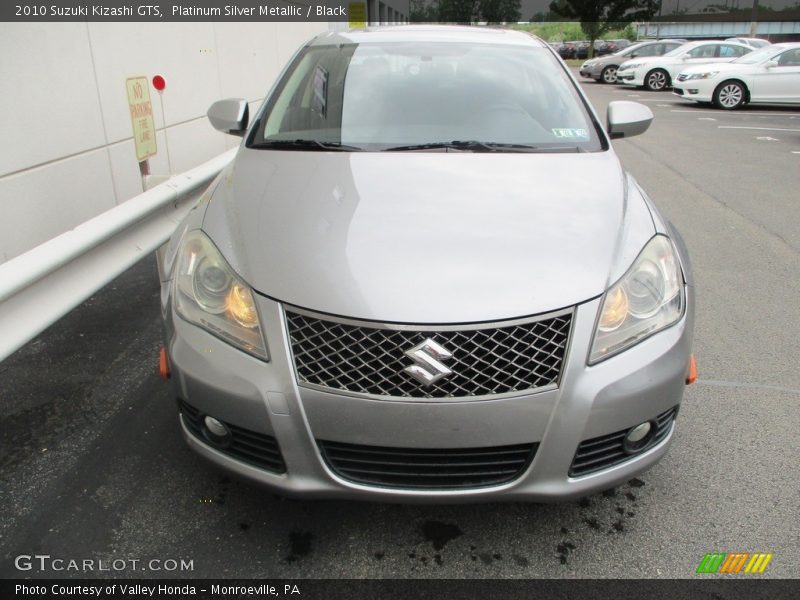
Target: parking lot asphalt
x=92 y=464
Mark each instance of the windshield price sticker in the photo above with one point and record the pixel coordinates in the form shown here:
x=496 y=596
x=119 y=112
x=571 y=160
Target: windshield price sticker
x=571 y=134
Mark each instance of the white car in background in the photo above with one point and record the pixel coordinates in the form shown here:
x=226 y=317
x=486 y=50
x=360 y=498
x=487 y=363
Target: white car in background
x=770 y=75
x=657 y=73
x=754 y=42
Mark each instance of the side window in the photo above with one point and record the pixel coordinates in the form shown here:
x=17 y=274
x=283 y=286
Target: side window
x=790 y=58
x=646 y=51
x=670 y=47
x=728 y=51
x=707 y=51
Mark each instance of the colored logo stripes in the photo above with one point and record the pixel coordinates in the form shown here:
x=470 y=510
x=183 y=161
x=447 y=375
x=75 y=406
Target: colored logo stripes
x=734 y=562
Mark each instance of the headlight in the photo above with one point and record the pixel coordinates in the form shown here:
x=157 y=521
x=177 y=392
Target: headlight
x=628 y=66
x=209 y=294
x=648 y=298
x=707 y=75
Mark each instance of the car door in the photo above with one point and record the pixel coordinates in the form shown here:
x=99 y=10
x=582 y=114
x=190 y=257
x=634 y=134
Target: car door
x=779 y=83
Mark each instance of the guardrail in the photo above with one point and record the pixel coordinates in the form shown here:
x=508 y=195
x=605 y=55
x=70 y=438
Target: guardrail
x=39 y=287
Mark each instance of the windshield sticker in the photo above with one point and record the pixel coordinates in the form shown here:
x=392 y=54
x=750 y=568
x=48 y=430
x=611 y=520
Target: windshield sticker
x=319 y=102
x=571 y=134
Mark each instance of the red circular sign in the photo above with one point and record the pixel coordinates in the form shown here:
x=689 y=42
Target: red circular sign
x=159 y=83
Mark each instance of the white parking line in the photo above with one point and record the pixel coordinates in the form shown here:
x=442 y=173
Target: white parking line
x=706 y=119
x=662 y=101
x=758 y=128
x=740 y=114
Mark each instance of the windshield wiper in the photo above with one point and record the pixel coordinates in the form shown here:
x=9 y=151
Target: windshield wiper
x=476 y=146
x=301 y=144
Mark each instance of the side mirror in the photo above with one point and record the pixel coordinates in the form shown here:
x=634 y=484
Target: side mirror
x=626 y=119
x=634 y=55
x=229 y=116
x=771 y=64
x=685 y=57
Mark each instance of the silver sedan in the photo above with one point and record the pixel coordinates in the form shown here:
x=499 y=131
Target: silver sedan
x=426 y=277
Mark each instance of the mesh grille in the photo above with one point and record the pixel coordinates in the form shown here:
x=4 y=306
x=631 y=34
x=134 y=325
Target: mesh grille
x=433 y=469
x=371 y=360
x=608 y=451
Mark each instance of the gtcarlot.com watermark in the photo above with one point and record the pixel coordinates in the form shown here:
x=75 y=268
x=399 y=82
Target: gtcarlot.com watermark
x=46 y=563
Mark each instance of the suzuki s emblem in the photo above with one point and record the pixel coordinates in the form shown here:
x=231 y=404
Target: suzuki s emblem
x=428 y=357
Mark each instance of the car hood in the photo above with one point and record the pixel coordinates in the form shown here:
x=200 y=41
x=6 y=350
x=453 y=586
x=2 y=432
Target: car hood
x=427 y=237
x=722 y=67
x=649 y=60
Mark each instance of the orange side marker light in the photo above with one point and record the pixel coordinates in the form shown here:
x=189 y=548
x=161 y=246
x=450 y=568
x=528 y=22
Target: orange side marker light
x=692 y=376
x=163 y=364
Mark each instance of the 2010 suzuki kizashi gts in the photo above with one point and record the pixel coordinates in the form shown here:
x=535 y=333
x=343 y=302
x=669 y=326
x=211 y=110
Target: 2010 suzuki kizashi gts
x=426 y=276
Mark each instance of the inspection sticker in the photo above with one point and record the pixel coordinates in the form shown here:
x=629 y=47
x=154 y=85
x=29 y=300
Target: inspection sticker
x=572 y=134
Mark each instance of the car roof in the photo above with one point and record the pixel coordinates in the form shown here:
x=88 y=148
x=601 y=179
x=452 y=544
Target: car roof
x=430 y=33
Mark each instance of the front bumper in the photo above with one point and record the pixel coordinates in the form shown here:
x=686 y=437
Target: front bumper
x=590 y=71
x=634 y=77
x=265 y=398
x=697 y=90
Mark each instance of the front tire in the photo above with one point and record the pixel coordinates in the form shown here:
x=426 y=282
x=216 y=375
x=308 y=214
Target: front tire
x=657 y=80
x=609 y=74
x=729 y=95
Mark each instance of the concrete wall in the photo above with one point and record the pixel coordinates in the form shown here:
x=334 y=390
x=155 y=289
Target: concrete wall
x=67 y=151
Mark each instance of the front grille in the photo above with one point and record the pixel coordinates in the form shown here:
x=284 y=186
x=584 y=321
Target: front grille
x=678 y=91
x=257 y=449
x=607 y=450
x=370 y=359
x=421 y=468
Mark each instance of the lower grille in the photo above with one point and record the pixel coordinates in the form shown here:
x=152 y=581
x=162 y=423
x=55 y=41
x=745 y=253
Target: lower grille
x=607 y=450
x=257 y=449
x=430 y=469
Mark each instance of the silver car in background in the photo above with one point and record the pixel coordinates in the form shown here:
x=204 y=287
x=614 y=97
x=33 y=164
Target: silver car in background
x=425 y=276
x=604 y=68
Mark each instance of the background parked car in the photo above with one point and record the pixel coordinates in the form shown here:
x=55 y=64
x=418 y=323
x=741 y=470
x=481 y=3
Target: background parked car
x=600 y=48
x=770 y=75
x=753 y=42
x=617 y=45
x=567 y=49
x=656 y=73
x=605 y=68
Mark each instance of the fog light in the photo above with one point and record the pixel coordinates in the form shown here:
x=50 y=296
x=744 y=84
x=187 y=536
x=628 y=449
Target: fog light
x=638 y=437
x=216 y=431
x=693 y=91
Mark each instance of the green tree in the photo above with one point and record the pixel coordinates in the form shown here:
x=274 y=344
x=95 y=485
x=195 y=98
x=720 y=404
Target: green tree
x=464 y=11
x=422 y=11
x=457 y=11
x=499 y=11
x=597 y=17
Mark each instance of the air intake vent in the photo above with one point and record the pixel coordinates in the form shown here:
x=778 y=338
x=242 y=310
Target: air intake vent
x=257 y=449
x=607 y=450
x=427 y=469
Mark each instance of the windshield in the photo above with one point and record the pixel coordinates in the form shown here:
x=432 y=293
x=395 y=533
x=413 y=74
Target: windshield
x=757 y=56
x=681 y=49
x=628 y=50
x=395 y=96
